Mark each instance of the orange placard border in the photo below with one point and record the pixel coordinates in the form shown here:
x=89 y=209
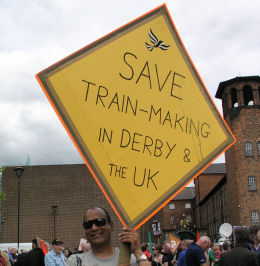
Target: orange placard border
x=162 y=8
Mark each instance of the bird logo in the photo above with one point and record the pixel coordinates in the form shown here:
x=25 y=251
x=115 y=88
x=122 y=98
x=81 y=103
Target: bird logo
x=156 y=42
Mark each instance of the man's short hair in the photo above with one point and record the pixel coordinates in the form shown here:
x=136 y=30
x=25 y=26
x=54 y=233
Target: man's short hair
x=34 y=241
x=144 y=247
x=104 y=210
x=242 y=235
x=186 y=242
x=226 y=245
x=254 y=229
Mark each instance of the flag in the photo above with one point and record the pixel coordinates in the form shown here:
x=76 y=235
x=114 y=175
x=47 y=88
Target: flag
x=44 y=246
x=197 y=235
x=173 y=240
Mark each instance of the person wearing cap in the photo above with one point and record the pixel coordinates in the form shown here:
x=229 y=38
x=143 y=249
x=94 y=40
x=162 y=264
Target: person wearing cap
x=98 y=228
x=55 y=257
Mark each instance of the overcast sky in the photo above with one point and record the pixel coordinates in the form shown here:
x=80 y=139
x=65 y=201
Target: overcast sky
x=221 y=36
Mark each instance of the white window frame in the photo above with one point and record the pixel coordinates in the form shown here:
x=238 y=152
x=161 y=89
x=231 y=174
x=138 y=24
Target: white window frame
x=187 y=205
x=254 y=218
x=171 y=206
x=251 y=183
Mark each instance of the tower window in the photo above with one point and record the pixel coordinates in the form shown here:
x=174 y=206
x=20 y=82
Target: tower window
x=171 y=219
x=252 y=183
x=234 y=98
x=254 y=217
x=187 y=206
x=171 y=206
x=248 y=149
x=258 y=147
x=188 y=217
x=248 y=96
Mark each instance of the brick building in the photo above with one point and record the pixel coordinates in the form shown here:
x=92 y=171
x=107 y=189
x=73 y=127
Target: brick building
x=241 y=109
x=223 y=192
x=235 y=196
x=73 y=190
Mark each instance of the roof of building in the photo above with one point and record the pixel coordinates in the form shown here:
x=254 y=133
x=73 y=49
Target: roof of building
x=214 y=190
x=186 y=193
x=216 y=168
x=223 y=84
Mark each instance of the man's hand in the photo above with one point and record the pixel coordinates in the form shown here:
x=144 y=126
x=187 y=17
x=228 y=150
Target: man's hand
x=132 y=237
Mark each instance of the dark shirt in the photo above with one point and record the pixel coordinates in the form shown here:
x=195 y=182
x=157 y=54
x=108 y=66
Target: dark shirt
x=241 y=255
x=169 y=257
x=35 y=257
x=194 y=255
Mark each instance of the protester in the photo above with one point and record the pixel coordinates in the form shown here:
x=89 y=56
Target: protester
x=145 y=250
x=226 y=247
x=184 y=246
x=55 y=256
x=67 y=253
x=13 y=252
x=167 y=251
x=158 y=259
x=196 y=253
x=35 y=257
x=240 y=255
x=217 y=254
x=9 y=253
x=255 y=238
x=4 y=259
x=98 y=227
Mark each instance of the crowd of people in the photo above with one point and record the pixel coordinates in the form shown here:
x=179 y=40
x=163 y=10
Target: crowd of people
x=99 y=251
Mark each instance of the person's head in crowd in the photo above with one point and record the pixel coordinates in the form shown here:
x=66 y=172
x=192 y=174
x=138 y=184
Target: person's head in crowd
x=185 y=244
x=254 y=231
x=167 y=248
x=34 y=243
x=204 y=243
x=85 y=246
x=226 y=246
x=157 y=249
x=242 y=236
x=144 y=247
x=67 y=252
x=57 y=246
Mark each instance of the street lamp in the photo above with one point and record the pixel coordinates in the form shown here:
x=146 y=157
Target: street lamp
x=54 y=208
x=19 y=171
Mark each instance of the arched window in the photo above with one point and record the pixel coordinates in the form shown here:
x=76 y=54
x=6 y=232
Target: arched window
x=171 y=219
x=248 y=149
x=188 y=217
x=248 y=96
x=171 y=206
x=234 y=98
x=187 y=205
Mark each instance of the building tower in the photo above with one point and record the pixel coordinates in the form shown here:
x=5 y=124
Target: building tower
x=241 y=109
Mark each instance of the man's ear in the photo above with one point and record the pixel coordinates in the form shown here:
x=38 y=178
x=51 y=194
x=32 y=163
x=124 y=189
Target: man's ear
x=112 y=226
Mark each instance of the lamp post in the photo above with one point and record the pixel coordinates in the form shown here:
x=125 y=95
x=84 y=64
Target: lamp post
x=54 y=208
x=19 y=171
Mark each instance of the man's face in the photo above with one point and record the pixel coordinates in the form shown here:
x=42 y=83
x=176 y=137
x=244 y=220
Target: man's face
x=57 y=248
x=98 y=235
x=167 y=248
x=257 y=237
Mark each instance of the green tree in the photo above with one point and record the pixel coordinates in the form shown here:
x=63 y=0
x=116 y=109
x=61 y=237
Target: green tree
x=2 y=194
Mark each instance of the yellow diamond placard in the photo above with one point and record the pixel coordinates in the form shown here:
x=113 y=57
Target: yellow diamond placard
x=139 y=114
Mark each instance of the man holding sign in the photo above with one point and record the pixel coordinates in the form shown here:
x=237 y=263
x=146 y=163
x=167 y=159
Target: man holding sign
x=98 y=227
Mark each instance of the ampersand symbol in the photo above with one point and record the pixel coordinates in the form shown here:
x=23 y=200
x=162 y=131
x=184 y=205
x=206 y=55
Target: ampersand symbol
x=187 y=153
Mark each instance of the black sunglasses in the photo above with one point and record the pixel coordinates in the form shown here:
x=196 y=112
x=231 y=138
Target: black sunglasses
x=97 y=222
